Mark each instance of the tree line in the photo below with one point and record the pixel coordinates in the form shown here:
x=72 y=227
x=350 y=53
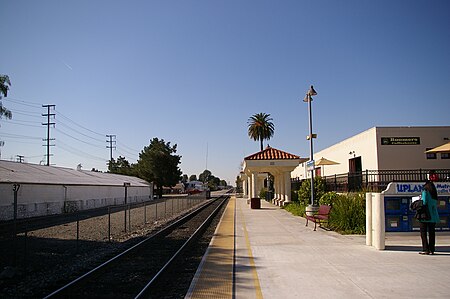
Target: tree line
x=158 y=163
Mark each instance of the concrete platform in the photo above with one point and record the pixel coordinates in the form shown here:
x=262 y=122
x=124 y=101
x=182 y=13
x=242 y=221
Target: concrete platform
x=276 y=256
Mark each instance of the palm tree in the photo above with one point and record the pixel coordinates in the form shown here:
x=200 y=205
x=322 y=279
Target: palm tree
x=4 y=82
x=260 y=127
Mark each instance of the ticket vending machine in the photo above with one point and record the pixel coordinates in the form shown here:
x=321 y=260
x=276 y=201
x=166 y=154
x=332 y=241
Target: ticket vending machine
x=397 y=199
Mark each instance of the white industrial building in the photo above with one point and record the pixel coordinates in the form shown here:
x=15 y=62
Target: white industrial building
x=383 y=148
x=43 y=190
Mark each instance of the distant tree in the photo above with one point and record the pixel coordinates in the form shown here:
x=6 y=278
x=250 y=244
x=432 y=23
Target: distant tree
x=158 y=163
x=4 y=87
x=223 y=183
x=184 y=178
x=121 y=166
x=260 y=127
x=193 y=177
x=204 y=176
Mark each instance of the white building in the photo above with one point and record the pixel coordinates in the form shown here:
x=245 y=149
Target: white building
x=384 y=148
x=42 y=190
x=276 y=162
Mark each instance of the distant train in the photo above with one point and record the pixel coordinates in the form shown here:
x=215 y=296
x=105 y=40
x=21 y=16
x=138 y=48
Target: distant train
x=194 y=187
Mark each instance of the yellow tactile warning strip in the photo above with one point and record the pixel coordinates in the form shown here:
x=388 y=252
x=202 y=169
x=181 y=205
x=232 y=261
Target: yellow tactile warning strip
x=215 y=279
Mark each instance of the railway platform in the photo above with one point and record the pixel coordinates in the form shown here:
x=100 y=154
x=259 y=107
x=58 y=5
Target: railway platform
x=269 y=253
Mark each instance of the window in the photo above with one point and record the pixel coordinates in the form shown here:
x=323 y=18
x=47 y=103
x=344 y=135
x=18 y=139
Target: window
x=431 y=155
x=445 y=156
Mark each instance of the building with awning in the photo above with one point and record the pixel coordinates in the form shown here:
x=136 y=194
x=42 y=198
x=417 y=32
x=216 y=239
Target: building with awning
x=272 y=161
x=386 y=148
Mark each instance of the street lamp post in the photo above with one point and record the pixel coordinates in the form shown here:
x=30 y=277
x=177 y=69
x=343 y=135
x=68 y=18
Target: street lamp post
x=308 y=98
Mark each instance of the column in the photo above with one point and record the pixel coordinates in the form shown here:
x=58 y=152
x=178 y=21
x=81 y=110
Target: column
x=249 y=186
x=275 y=187
x=287 y=187
x=283 y=189
x=244 y=186
x=254 y=192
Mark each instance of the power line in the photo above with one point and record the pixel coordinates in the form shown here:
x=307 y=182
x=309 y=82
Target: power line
x=19 y=136
x=134 y=157
x=65 y=117
x=21 y=123
x=68 y=127
x=21 y=102
x=77 y=152
x=26 y=113
x=85 y=142
x=123 y=145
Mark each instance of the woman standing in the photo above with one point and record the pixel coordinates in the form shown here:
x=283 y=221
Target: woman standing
x=429 y=198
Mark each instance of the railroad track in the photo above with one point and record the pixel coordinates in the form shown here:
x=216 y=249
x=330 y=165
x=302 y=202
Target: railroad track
x=135 y=272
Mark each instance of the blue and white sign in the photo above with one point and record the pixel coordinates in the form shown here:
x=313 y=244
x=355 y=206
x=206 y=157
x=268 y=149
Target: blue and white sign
x=414 y=188
x=310 y=165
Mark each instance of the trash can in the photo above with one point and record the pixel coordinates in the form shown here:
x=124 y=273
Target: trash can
x=311 y=210
x=255 y=203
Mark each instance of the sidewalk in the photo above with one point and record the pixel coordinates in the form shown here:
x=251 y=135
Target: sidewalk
x=278 y=257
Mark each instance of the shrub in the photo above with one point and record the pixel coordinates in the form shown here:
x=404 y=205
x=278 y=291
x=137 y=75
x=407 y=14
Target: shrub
x=328 y=198
x=262 y=193
x=348 y=214
x=304 y=194
x=295 y=208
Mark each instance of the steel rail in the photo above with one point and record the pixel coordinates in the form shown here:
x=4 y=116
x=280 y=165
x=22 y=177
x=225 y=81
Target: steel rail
x=144 y=292
x=134 y=247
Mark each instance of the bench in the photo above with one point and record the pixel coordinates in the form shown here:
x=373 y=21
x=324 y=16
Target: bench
x=320 y=217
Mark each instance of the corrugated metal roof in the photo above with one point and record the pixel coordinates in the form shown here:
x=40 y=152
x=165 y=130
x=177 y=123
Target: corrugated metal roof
x=271 y=153
x=13 y=172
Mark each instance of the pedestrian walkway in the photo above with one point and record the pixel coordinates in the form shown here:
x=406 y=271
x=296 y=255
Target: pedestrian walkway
x=276 y=256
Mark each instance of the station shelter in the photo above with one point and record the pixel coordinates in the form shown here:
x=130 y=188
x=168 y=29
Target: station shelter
x=397 y=200
x=279 y=164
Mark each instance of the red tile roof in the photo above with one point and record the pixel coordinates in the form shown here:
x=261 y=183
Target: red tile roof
x=271 y=153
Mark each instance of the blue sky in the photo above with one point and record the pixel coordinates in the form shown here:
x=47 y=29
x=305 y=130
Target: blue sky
x=193 y=72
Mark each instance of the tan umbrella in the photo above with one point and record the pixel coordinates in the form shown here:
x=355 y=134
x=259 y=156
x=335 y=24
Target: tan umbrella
x=322 y=162
x=445 y=148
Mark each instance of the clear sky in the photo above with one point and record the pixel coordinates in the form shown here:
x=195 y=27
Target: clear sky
x=193 y=72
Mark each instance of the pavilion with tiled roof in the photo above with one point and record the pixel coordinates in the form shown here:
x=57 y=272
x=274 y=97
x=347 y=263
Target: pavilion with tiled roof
x=278 y=163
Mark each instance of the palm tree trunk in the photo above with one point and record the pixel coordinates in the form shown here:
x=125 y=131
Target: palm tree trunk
x=261 y=144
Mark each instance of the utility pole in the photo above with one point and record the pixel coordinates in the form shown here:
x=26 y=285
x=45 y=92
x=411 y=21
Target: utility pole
x=111 y=146
x=48 y=124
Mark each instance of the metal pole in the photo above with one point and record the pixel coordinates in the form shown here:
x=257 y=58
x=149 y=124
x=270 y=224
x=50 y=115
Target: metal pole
x=78 y=230
x=109 y=224
x=16 y=188
x=311 y=148
x=145 y=212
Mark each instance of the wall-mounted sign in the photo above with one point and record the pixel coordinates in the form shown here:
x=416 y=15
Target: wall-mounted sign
x=400 y=140
x=415 y=188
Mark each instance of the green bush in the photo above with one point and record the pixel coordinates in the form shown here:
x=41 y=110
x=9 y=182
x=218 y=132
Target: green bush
x=348 y=215
x=262 y=193
x=328 y=198
x=304 y=194
x=295 y=208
